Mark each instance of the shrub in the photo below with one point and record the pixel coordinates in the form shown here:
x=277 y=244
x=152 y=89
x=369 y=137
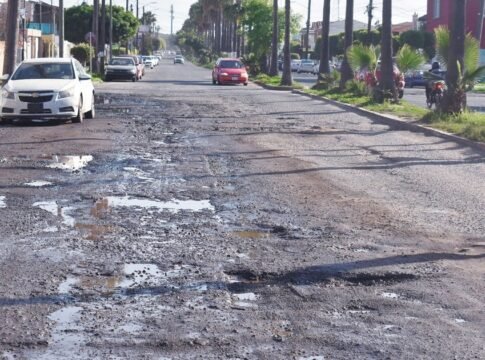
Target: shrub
x=82 y=52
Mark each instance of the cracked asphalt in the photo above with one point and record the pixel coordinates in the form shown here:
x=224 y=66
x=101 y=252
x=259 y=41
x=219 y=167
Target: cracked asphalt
x=193 y=221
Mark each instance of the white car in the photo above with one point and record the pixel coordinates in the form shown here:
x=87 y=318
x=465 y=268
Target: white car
x=306 y=66
x=295 y=64
x=48 y=88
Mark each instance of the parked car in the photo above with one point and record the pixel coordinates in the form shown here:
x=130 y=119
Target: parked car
x=306 y=66
x=155 y=60
x=415 y=78
x=178 y=59
x=295 y=64
x=148 y=61
x=229 y=71
x=48 y=88
x=123 y=68
x=140 y=67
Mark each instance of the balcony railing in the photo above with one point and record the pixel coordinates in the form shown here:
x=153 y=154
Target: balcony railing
x=46 y=28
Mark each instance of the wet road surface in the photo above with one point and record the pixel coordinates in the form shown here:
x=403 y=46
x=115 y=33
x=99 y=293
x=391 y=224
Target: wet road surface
x=192 y=221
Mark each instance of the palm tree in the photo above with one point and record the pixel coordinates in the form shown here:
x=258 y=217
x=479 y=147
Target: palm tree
x=273 y=70
x=388 y=85
x=286 y=78
x=346 y=70
x=455 y=97
x=324 y=67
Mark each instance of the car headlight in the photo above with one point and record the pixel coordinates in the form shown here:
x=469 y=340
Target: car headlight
x=8 y=94
x=69 y=92
x=133 y=71
x=224 y=74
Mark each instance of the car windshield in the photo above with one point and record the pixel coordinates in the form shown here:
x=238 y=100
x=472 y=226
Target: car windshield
x=231 y=64
x=44 y=71
x=119 y=61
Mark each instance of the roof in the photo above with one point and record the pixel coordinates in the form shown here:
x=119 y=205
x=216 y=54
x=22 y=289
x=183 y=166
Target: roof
x=337 y=27
x=402 y=27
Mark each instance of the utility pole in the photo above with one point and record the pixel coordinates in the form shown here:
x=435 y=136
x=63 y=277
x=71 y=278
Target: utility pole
x=96 y=33
x=127 y=5
x=11 y=38
x=171 y=19
x=308 y=29
x=137 y=9
x=61 y=28
x=103 y=34
x=110 y=29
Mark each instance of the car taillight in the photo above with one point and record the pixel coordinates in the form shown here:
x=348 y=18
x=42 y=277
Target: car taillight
x=439 y=86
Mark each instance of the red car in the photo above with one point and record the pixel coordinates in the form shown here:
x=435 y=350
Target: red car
x=229 y=71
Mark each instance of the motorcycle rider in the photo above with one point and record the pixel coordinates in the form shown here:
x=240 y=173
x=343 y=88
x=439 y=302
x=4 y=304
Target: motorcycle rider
x=435 y=69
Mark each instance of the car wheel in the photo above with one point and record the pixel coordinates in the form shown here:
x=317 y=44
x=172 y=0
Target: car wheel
x=213 y=81
x=133 y=78
x=80 y=115
x=91 y=113
x=245 y=84
x=107 y=78
x=219 y=81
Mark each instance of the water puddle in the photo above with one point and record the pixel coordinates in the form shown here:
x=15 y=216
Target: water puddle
x=139 y=174
x=70 y=163
x=66 y=286
x=140 y=274
x=38 y=183
x=460 y=321
x=66 y=336
x=246 y=296
x=55 y=209
x=251 y=234
x=2 y=202
x=172 y=206
x=390 y=295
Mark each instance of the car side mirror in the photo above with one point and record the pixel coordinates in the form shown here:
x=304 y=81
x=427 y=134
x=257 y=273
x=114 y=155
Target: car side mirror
x=4 y=77
x=84 y=77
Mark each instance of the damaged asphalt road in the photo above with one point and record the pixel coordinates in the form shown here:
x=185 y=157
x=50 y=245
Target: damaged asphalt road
x=192 y=221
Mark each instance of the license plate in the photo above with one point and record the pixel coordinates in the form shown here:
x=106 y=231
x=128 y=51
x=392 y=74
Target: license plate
x=35 y=107
x=235 y=78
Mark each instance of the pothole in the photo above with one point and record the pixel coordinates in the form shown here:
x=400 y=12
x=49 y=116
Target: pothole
x=70 y=163
x=3 y=204
x=251 y=234
x=59 y=211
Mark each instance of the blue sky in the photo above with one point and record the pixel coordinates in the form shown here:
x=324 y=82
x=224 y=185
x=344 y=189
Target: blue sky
x=402 y=10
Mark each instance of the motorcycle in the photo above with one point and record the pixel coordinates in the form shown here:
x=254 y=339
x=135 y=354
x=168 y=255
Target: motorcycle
x=436 y=94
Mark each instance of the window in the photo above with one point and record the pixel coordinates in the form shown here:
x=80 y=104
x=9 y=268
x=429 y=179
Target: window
x=436 y=9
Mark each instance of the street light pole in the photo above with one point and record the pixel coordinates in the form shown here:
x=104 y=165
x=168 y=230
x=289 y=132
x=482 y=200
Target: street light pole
x=61 y=28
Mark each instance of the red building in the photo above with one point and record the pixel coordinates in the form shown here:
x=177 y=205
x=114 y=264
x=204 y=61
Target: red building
x=439 y=13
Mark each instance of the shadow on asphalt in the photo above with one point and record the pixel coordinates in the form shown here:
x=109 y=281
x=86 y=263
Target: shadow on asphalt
x=252 y=281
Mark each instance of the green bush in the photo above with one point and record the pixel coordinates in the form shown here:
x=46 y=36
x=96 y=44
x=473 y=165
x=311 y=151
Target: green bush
x=82 y=52
x=295 y=56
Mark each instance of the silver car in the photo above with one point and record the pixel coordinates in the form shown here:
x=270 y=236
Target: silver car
x=306 y=66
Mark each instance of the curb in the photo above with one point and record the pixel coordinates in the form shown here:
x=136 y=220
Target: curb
x=273 y=87
x=398 y=123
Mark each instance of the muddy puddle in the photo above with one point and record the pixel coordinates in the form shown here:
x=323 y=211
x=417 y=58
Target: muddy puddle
x=172 y=205
x=70 y=163
x=93 y=231
x=251 y=234
x=3 y=204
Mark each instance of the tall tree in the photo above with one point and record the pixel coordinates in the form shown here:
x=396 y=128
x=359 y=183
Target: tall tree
x=346 y=71
x=370 y=16
x=325 y=51
x=286 y=78
x=273 y=70
x=455 y=97
x=12 y=36
x=387 y=77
